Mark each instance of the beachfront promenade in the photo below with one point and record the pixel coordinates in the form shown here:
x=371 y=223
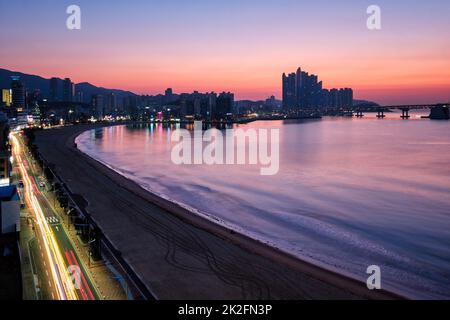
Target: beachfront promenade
x=178 y=255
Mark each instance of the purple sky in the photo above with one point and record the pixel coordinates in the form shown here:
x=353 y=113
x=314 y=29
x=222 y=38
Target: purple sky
x=240 y=46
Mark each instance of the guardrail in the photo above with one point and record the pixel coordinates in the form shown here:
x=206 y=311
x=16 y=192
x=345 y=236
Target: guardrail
x=135 y=283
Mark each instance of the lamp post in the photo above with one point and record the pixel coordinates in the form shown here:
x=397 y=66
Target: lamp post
x=90 y=251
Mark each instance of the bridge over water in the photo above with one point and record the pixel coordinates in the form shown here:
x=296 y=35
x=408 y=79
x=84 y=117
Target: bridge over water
x=358 y=111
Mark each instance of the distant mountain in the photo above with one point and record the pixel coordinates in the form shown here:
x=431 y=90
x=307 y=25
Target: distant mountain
x=89 y=89
x=364 y=103
x=250 y=102
x=33 y=82
x=254 y=103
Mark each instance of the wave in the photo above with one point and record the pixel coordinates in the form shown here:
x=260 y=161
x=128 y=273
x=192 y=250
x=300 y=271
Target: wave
x=320 y=240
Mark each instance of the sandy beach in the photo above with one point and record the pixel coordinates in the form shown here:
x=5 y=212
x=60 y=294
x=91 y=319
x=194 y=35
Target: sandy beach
x=179 y=255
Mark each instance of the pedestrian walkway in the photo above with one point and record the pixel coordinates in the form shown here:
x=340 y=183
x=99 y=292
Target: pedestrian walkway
x=28 y=278
x=26 y=234
x=106 y=283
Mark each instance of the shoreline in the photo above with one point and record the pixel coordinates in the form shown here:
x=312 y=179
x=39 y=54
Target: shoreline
x=346 y=287
x=185 y=213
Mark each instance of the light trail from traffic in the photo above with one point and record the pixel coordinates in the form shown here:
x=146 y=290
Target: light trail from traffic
x=58 y=269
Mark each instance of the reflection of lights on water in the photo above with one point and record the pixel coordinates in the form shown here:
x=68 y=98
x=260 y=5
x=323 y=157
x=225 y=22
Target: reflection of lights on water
x=152 y=128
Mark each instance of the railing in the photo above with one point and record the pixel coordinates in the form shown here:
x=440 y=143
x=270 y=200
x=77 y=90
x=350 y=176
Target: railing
x=135 y=285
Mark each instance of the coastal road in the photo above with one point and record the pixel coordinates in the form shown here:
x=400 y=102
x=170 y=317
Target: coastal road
x=60 y=272
x=177 y=254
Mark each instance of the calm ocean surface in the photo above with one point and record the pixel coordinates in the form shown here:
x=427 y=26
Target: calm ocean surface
x=350 y=193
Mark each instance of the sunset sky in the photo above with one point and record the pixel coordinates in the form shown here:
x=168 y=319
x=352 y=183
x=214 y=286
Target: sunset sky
x=241 y=46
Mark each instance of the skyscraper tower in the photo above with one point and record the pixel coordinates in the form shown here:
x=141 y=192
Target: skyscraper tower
x=298 y=86
x=224 y=105
x=7 y=97
x=111 y=104
x=98 y=106
x=303 y=91
x=68 y=90
x=168 y=95
x=18 y=95
x=289 y=91
x=54 y=96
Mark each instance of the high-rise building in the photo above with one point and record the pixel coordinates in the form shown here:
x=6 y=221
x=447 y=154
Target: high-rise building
x=79 y=97
x=304 y=91
x=7 y=97
x=301 y=90
x=309 y=91
x=5 y=164
x=34 y=96
x=299 y=83
x=68 y=90
x=54 y=92
x=18 y=95
x=34 y=99
x=197 y=103
x=339 y=98
x=334 y=98
x=211 y=105
x=271 y=102
x=111 y=104
x=325 y=98
x=289 y=91
x=168 y=95
x=346 y=97
x=224 y=105
x=98 y=106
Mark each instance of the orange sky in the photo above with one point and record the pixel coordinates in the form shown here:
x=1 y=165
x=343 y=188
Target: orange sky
x=239 y=47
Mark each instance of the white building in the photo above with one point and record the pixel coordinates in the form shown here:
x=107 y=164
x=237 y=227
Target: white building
x=9 y=210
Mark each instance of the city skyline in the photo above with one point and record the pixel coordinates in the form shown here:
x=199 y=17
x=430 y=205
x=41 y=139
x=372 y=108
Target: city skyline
x=244 y=151
x=241 y=48
x=302 y=90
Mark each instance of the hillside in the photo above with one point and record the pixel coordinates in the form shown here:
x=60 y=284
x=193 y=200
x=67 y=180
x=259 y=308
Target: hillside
x=33 y=82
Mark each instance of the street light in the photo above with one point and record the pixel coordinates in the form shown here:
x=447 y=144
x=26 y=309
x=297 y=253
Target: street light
x=90 y=251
